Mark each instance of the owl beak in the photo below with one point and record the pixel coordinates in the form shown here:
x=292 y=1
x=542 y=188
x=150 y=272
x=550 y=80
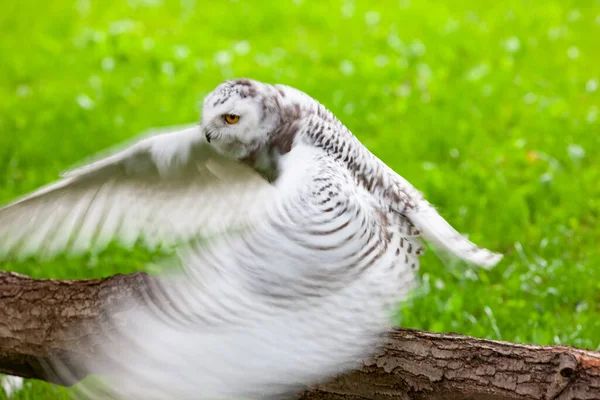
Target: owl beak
x=205 y=131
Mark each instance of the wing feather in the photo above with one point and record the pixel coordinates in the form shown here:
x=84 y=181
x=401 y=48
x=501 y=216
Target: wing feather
x=435 y=229
x=164 y=188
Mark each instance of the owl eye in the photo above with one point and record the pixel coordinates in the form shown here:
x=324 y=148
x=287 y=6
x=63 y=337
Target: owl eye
x=231 y=118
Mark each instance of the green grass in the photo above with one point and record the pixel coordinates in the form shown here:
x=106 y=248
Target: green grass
x=490 y=108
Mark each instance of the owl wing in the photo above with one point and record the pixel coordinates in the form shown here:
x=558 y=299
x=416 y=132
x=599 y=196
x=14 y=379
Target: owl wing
x=163 y=188
x=436 y=230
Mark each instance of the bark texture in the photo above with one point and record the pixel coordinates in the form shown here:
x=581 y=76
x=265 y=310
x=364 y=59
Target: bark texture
x=41 y=318
x=45 y=318
x=426 y=366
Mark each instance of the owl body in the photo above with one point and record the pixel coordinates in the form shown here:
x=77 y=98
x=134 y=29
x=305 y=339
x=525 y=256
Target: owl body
x=308 y=242
x=314 y=286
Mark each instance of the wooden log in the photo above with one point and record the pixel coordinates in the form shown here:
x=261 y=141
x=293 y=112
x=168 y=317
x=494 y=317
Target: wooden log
x=42 y=318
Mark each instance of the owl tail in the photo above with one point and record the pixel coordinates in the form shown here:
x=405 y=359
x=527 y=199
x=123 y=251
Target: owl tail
x=439 y=232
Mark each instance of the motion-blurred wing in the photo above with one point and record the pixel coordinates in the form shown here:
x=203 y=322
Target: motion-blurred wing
x=162 y=189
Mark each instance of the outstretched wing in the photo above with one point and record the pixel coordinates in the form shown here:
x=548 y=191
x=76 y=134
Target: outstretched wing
x=164 y=188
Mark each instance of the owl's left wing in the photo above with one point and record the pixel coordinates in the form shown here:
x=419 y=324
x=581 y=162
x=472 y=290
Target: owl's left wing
x=166 y=187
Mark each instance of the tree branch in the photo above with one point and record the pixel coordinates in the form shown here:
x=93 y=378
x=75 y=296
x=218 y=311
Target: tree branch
x=426 y=366
x=41 y=319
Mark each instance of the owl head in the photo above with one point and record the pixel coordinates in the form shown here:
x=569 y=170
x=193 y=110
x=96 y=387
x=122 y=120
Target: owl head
x=242 y=116
x=238 y=117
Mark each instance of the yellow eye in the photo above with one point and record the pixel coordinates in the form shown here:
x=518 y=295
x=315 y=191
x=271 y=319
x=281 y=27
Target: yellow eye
x=231 y=118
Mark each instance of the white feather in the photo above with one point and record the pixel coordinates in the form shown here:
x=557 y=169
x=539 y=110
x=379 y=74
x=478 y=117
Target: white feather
x=439 y=232
x=149 y=190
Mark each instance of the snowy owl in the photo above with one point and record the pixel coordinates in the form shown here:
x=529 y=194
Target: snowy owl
x=295 y=242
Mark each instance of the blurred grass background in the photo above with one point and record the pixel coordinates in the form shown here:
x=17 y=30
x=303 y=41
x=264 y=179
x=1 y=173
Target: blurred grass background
x=490 y=108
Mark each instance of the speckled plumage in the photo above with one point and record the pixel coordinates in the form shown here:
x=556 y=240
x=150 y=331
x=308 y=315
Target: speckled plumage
x=327 y=247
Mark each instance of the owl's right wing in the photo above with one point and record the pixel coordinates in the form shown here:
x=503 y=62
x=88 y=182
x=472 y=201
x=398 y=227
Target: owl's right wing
x=165 y=188
x=435 y=229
